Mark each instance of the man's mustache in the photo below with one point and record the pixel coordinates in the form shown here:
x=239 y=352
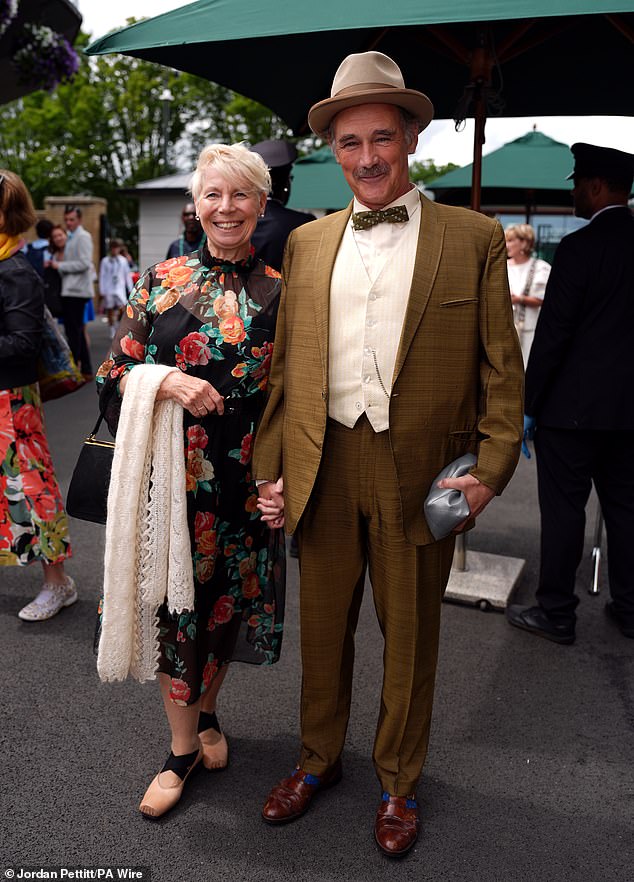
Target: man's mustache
x=371 y=171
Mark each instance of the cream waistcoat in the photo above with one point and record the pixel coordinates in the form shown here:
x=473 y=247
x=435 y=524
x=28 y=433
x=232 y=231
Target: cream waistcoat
x=369 y=290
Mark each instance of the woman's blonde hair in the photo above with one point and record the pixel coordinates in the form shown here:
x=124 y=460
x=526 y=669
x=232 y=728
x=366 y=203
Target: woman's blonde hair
x=235 y=162
x=525 y=233
x=16 y=205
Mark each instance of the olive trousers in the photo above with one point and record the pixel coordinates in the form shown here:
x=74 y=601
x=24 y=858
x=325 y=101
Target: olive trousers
x=353 y=521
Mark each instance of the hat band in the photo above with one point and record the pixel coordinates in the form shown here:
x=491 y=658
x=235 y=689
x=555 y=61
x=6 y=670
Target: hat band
x=365 y=87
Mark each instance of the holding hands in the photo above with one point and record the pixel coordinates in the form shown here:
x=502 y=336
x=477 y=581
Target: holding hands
x=271 y=503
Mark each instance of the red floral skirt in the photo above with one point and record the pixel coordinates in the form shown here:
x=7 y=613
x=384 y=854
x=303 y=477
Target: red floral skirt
x=33 y=523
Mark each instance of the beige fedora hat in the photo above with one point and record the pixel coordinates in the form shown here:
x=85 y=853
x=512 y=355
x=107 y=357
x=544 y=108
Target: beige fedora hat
x=369 y=78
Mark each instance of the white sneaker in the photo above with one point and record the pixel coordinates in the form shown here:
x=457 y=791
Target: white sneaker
x=49 y=601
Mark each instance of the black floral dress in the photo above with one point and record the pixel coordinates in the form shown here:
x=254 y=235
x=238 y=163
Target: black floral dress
x=215 y=321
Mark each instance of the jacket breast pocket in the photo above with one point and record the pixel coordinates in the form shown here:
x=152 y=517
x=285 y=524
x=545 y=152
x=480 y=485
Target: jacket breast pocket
x=464 y=301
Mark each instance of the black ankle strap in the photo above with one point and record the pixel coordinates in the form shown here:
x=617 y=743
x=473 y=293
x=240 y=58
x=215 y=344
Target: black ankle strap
x=180 y=765
x=208 y=721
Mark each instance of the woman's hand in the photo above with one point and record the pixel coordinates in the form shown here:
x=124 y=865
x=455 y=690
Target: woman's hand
x=197 y=396
x=271 y=503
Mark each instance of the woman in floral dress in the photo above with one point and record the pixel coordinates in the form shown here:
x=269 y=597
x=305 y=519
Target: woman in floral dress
x=33 y=524
x=212 y=315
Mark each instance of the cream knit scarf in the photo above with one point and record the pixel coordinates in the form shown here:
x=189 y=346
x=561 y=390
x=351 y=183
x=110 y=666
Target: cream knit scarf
x=148 y=547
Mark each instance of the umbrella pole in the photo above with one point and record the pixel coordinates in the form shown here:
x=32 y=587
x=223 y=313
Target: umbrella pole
x=478 y=141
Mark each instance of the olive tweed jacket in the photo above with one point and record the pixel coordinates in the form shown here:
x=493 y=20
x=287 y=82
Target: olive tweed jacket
x=458 y=380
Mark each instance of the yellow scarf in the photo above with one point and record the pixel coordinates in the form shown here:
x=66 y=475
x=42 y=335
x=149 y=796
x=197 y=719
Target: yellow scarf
x=9 y=245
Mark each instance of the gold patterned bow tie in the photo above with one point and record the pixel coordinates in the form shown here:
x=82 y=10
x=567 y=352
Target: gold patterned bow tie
x=363 y=220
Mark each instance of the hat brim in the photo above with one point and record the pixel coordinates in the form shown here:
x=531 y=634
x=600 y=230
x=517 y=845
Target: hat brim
x=321 y=114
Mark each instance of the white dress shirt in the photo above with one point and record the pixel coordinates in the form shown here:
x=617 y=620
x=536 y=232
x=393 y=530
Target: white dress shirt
x=369 y=292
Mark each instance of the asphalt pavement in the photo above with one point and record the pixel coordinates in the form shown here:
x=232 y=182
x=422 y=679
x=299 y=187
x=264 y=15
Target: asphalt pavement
x=529 y=775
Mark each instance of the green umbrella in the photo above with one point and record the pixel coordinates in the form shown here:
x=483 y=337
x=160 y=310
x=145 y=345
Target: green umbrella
x=318 y=182
x=530 y=171
x=59 y=15
x=549 y=57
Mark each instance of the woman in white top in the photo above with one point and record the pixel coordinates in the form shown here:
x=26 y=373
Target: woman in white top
x=115 y=283
x=527 y=280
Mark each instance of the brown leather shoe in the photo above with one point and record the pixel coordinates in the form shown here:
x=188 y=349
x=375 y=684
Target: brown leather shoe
x=290 y=798
x=397 y=825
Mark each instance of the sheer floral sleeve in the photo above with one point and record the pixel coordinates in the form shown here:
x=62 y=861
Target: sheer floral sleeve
x=129 y=348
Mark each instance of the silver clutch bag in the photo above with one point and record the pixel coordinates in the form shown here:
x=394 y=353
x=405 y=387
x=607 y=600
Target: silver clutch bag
x=444 y=508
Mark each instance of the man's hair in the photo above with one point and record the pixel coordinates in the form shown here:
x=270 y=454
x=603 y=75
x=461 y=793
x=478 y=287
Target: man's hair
x=16 y=205
x=75 y=208
x=43 y=228
x=409 y=123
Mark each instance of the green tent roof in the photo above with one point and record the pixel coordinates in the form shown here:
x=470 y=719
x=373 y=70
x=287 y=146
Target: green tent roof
x=532 y=162
x=318 y=182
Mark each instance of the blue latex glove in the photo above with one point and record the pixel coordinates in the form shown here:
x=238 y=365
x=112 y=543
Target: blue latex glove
x=529 y=434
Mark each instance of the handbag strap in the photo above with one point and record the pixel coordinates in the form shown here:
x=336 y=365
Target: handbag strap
x=521 y=313
x=529 y=278
x=97 y=424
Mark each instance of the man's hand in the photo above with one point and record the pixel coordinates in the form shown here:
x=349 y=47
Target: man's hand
x=271 y=503
x=478 y=495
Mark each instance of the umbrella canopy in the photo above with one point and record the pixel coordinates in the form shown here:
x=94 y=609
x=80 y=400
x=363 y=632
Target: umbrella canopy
x=529 y=171
x=59 y=15
x=567 y=57
x=318 y=182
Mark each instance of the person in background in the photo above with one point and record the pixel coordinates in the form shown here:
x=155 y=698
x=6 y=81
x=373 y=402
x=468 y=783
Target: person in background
x=115 y=283
x=579 y=394
x=278 y=222
x=52 y=277
x=211 y=316
x=33 y=523
x=193 y=236
x=76 y=270
x=37 y=251
x=527 y=282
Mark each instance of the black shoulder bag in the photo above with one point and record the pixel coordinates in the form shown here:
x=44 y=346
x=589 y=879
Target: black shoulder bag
x=87 y=497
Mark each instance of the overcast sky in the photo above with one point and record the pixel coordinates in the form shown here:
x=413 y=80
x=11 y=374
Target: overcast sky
x=440 y=141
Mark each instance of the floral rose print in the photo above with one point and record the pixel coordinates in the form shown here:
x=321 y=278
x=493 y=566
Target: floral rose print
x=194 y=348
x=179 y=691
x=232 y=329
x=167 y=300
x=132 y=348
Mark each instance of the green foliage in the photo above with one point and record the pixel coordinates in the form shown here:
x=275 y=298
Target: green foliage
x=426 y=170
x=105 y=130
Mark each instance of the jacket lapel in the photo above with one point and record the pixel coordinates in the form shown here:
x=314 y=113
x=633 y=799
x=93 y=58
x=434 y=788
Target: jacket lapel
x=324 y=264
x=428 y=251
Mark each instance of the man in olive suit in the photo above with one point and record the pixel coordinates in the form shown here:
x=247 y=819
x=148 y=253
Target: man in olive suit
x=395 y=353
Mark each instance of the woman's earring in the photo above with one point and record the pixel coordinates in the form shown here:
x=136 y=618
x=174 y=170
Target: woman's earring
x=197 y=217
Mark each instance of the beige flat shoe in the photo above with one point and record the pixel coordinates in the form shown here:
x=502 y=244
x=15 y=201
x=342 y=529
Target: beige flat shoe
x=215 y=750
x=164 y=792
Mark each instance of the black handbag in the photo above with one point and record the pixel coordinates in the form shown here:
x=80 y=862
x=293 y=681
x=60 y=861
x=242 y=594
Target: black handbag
x=87 y=497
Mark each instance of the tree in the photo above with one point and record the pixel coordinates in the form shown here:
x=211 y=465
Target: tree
x=426 y=170
x=104 y=130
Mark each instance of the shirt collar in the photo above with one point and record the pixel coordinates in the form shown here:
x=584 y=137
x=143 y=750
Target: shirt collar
x=607 y=208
